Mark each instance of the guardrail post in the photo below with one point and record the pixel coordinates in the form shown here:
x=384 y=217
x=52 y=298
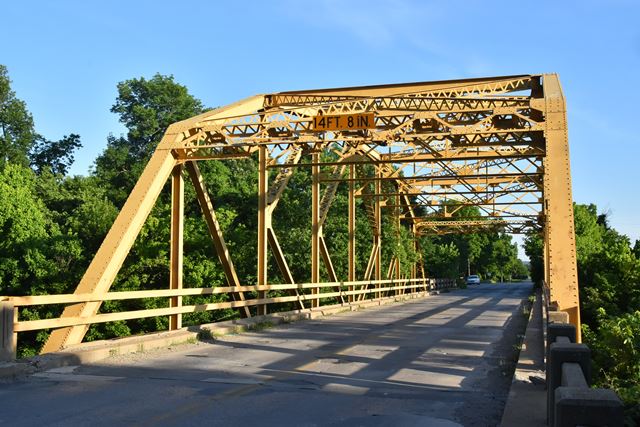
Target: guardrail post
x=560 y=353
x=8 y=338
x=576 y=406
x=555 y=330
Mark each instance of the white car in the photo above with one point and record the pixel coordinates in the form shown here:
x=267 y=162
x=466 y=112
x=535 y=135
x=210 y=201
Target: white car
x=473 y=279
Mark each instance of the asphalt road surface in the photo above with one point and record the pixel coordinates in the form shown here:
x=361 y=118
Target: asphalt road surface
x=444 y=360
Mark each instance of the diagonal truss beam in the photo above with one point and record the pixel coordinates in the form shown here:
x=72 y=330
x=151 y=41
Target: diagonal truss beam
x=215 y=231
x=273 y=197
x=112 y=252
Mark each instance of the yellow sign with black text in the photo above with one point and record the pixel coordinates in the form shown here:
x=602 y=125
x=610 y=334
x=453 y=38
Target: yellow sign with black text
x=343 y=122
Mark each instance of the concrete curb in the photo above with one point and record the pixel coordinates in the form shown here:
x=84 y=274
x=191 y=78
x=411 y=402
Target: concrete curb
x=100 y=350
x=526 y=403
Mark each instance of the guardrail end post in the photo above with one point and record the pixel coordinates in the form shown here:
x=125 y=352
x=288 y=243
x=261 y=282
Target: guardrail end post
x=560 y=353
x=555 y=330
x=8 y=338
x=587 y=406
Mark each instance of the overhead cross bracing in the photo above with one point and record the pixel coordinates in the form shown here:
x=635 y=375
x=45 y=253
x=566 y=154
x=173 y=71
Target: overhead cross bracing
x=499 y=144
x=473 y=144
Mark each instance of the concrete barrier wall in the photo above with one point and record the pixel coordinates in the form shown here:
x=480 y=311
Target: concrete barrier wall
x=570 y=400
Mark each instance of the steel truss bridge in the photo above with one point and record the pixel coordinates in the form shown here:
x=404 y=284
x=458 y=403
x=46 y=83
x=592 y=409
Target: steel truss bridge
x=418 y=151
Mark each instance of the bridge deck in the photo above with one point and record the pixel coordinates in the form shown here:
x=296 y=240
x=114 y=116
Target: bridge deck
x=440 y=361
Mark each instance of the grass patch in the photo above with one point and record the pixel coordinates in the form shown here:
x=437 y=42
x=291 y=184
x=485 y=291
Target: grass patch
x=259 y=326
x=285 y=320
x=519 y=344
x=205 y=334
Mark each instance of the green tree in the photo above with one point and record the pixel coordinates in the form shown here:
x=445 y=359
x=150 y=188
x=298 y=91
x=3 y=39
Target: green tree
x=520 y=270
x=533 y=245
x=490 y=253
x=498 y=257
x=55 y=155
x=440 y=258
x=24 y=226
x=16 y=125
x=19 y=142
x=148 y=107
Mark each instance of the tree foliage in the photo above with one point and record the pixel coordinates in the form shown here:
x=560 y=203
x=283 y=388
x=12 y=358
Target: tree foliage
x=148 y=107
x=16 y=125
x=490 y=254
x=54 y=155
x=19 y=142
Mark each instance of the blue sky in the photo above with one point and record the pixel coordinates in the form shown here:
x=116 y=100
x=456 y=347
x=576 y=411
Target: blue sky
x=66 y=57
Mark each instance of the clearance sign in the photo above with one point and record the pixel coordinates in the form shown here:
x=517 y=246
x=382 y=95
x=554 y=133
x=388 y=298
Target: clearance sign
x=343 y=122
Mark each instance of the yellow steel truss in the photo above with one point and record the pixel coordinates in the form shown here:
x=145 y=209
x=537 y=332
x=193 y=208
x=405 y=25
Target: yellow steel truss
x=498 y=143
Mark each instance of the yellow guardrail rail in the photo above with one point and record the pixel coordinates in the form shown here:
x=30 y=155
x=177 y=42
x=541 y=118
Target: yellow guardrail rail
x=347 y=292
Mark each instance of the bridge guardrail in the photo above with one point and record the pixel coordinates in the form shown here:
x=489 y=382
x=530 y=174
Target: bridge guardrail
x=346 y=292
x=570 y=400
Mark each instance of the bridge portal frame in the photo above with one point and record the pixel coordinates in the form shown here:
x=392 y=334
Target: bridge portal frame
x=497 y=143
